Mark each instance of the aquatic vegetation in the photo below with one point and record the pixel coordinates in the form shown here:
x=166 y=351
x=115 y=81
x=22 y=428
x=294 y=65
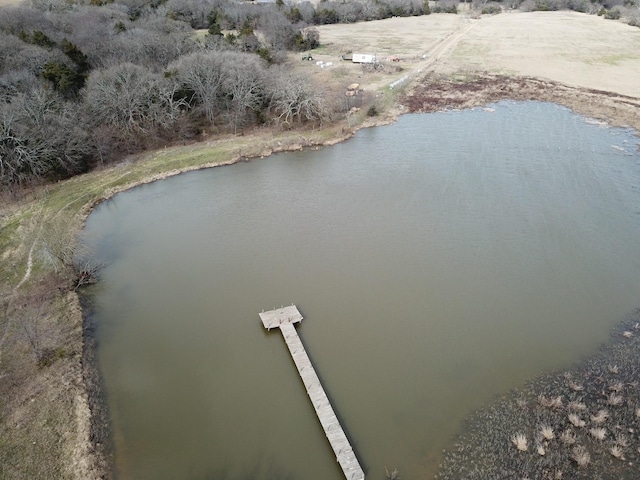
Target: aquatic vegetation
x=576 y=406
x=622 y=440
x=547 y=432
x=614 y=400
x=576 y=387
x=550 y=402
x=617 y=452
x=576 y=433
x=581 y=456
x=598 y=433
x=520 y=441
x=616 y=387
x=393 y=475
x=600 y=417
x=568 y=437
x=576 y=421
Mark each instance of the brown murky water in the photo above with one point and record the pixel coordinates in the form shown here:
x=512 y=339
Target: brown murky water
x=438 y=262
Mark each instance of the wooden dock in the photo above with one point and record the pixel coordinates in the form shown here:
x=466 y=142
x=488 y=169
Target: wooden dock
x=285 y=318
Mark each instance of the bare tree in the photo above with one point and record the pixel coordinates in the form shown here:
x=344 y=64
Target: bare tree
x=30 y=324
x=277 y=29
x=68 y=253
x=150 y=45
x=94 y=31
x=19 y=55
x=40 y=136
x=59 y=244
x=350 y=12
x=294 y=98
x=243 y=87
x=193 y=12
x=16 y=19
x=201 y=76
x=132 y=98
x=17 y=81
x=110 y=38
x=11 y=46
x=306 y=10
x=216 y=82
x=33 y=327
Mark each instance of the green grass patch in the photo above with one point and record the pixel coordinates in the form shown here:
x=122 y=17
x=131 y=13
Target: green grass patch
x=614 y=59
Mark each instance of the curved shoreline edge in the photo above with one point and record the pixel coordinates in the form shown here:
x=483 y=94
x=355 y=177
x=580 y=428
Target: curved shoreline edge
x=431 y=94
x=436 y=93
x=89 y=455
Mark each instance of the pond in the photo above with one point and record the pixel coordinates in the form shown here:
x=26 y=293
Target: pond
x=438 y=262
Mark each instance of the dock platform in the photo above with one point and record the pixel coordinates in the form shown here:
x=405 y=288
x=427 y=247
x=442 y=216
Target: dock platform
x=285 y=319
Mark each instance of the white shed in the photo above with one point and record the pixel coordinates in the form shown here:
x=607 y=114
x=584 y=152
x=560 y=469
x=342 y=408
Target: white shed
x=364 y=58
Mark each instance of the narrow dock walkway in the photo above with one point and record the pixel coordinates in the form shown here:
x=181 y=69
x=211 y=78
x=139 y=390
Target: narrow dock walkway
x=285 y=319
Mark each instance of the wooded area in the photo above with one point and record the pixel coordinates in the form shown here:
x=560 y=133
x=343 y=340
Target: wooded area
x=83 y=84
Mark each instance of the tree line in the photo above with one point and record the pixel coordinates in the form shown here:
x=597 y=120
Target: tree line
x=628 y=10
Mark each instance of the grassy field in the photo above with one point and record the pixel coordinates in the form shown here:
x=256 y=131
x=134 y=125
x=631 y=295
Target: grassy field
x=572 y=48
x=45 y=423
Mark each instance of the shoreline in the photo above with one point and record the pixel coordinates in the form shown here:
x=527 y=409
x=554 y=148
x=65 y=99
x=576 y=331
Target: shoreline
x=427 y=95
x=436 y=93
x=430 y=94
x=87 y=448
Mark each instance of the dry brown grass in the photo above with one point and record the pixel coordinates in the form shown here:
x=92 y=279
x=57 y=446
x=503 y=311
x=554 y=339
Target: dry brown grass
x=572 y=48
x=41 y=382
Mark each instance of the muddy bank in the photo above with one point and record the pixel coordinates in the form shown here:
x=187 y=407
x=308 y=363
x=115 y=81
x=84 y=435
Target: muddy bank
x=583 y=423
x=436 y=93
x=99 y=431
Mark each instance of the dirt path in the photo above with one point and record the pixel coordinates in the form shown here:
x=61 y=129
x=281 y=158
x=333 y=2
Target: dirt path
x=25 y=277
x=428 y=60
x=445 y=46
x=27 y=272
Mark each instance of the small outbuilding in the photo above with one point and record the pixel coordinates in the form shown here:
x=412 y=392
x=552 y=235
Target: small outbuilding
x=364 y=58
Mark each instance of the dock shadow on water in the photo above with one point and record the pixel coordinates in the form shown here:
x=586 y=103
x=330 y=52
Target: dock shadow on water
x=441 y=262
